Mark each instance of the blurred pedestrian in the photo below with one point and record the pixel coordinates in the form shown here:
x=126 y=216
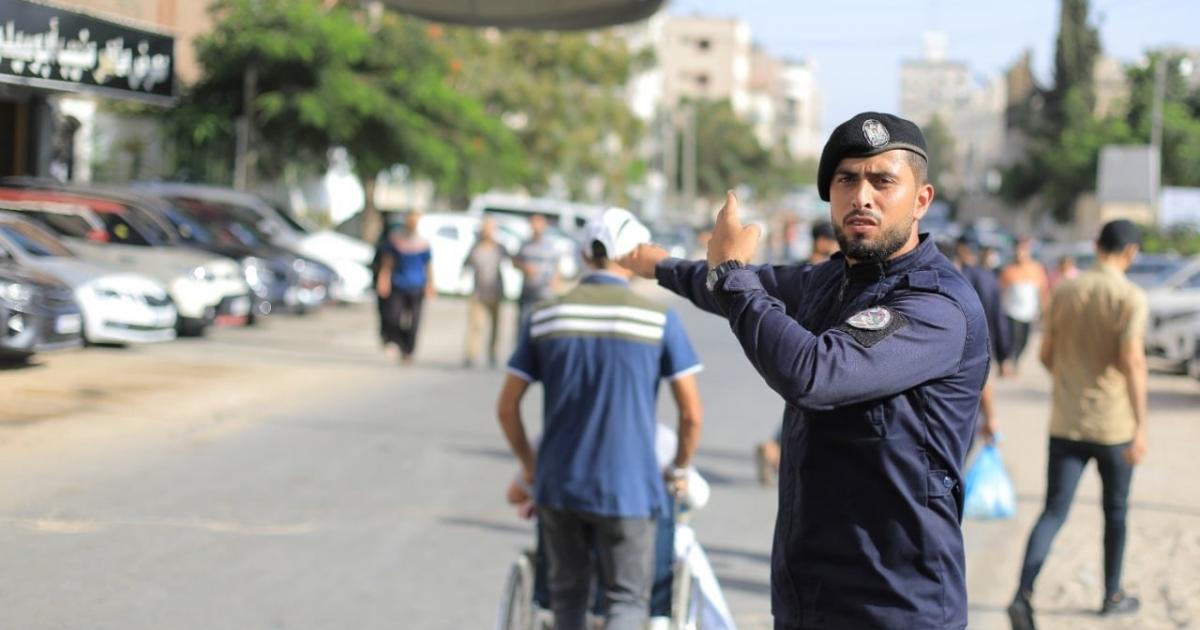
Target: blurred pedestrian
x=538 y=261
x=1025 y=290
x=1094 y=347
x=1065 y=271
x=405 y=281
x=483 y=308
x=600 y=352
x=988 y=289
x=766 y=454
x=989 y=257
x=880 y=354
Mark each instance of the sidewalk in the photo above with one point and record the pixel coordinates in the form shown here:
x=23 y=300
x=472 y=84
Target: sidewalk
x=1162 y=556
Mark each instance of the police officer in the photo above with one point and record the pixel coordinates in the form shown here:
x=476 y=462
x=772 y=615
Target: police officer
x=880 y=354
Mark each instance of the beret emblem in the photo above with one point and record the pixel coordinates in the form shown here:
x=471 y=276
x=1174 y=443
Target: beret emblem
x=876 y=134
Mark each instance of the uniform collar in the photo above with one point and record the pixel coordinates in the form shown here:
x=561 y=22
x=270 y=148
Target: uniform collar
x=602 y=277
x=924 y=252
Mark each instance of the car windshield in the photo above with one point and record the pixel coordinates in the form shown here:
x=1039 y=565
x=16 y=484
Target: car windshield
x=33 y=241
x=294 y=222
x=63 y=223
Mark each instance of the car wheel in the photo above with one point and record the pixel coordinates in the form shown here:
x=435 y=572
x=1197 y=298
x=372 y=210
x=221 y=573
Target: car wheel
x=191 y=327
x=1193 y=365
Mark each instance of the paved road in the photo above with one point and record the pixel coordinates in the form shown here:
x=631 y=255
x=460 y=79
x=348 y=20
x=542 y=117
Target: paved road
x=292 y=477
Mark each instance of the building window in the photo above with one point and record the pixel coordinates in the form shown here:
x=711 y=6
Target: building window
x=703 y=44
x=702 y=80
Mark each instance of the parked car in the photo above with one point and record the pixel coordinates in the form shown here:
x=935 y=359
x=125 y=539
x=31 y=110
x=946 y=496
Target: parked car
x=1174 y=307
x=37 y=312
x=349 y=258
x=295 y=283
x=1151 y=270
x=117 y=307
x=204 y=288
x=270 y=279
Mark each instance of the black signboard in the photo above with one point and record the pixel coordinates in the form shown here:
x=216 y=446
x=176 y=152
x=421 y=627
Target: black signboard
x=45 y=46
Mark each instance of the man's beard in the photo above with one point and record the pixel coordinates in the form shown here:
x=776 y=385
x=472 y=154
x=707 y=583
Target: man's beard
x=882 y=248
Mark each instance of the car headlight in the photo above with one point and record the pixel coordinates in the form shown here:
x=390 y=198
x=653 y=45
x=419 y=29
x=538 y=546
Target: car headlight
x=199 y=274
x=16 y=292
x=254 y=271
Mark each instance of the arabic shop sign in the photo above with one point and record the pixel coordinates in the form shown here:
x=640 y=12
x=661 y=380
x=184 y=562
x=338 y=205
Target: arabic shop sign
x=54 y=48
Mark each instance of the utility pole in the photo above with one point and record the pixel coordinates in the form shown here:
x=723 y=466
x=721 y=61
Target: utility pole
x=1156 y=131
x=246 y=159
x=689 y=159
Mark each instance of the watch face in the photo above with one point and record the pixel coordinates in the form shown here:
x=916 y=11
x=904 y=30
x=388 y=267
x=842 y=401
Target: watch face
x=710 y=280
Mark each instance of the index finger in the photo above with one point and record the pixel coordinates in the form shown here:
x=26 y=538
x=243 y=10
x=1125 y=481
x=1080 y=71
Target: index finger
x=729 y=211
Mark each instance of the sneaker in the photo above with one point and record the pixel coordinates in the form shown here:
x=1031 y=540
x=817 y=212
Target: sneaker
x=1020 y=613
x=1120 y=604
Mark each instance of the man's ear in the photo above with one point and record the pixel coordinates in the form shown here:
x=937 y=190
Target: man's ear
x=921 y=204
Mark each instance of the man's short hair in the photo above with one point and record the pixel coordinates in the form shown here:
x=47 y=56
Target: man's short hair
x=1116 y=235
x=823 y=229
x=919 y=166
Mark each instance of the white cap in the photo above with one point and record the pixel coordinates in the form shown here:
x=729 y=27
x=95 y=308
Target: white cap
x=617 y=229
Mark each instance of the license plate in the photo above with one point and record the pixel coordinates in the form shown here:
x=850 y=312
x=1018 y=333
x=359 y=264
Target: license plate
x=68 y=324
x=239 y=306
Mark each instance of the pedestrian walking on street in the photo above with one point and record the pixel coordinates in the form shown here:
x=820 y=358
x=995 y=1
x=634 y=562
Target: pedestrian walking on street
x=483 y=308
x=538 y=261
x=1094 y=347
x=405 y=281
x=966 y=256
x=600 y=351
x=880 y=355
x=1025 y=288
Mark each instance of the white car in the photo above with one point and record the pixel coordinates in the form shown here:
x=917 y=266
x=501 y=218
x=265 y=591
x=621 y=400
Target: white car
x=1174 y=311
x=202 y=287
x=450 y=238
x=350 y=258
x=117 y=307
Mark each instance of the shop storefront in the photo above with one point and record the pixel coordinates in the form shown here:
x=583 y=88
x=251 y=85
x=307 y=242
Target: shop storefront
x=55 y=63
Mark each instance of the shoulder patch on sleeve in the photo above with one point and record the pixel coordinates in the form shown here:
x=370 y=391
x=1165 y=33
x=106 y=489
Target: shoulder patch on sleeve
x=873 y=325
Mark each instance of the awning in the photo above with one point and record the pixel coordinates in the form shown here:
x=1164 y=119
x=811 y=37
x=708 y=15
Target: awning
x=531 y=14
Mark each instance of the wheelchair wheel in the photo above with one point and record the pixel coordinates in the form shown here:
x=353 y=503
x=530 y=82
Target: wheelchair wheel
x=517 y=608
x=681 y=598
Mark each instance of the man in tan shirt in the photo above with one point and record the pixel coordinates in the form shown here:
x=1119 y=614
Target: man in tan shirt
x=1093 y=345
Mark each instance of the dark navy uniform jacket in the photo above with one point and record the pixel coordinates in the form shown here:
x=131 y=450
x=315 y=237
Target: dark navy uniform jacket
x=877 y=428
x=987 y=286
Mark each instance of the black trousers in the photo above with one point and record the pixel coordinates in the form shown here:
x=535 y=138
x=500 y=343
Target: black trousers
x=1067 y=461
x=1020 y=337
x=401 y=318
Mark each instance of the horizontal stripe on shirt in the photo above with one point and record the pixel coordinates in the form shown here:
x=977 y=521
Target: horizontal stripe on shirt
x=611 y=326
x=589 y=311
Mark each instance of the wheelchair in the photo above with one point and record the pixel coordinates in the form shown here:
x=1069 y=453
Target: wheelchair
x=525 y=603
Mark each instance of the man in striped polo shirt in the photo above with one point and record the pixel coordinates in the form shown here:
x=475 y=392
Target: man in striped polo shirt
x=600 y=352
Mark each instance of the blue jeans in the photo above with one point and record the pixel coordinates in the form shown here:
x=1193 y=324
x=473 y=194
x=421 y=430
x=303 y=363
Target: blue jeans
x=1067 y=461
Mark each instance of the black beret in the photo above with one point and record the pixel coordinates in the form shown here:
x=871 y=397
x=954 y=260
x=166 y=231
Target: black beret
x=867 y=134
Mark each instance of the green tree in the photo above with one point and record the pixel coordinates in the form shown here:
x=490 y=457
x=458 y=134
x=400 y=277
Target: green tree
x=562 y=94
x=1063 y=138
x=1181 y=117
x=328 y=76
x=939 y=143
x=1075 y=53
x=727 y=151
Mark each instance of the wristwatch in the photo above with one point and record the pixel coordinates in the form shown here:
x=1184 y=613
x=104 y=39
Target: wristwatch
x=716 y=273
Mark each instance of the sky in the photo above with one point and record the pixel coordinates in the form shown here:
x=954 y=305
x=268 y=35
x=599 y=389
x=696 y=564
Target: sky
x=858 y=45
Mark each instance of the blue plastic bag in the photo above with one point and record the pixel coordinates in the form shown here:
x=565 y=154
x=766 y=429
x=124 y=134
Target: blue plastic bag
x=990 y=492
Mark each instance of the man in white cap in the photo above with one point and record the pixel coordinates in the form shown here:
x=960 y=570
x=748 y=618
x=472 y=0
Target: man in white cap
x=600 y=351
